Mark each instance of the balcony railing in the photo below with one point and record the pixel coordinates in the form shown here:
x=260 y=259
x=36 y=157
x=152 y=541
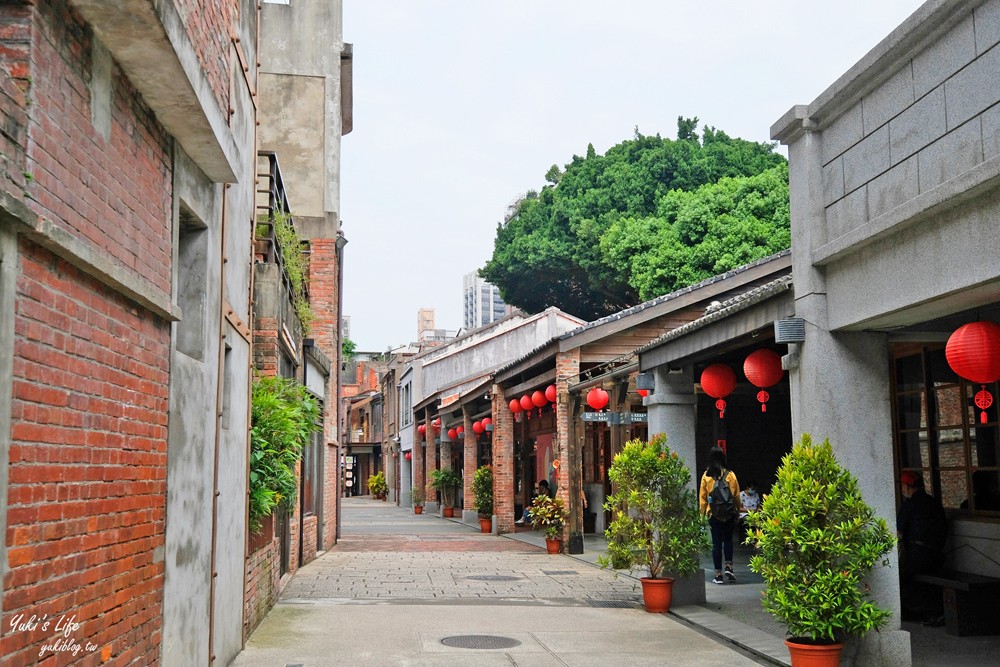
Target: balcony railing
x=271 y=201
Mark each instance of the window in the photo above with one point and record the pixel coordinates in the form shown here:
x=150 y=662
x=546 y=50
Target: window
x=192 y=281
x=939 y=431
x=405 y=406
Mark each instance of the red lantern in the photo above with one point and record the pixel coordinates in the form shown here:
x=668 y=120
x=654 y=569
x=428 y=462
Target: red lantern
x=597 y=398
x=460 y=429
x=763 y=369
x=973 y=352
x=409 y=455
x=643 y=392
x=550 y=393
x=718 y=381
x=436 y=424
x=526 y=402
x=477 y=427
x=487 y=422
x=452 y=434
x=422 y=429
x=515 y=405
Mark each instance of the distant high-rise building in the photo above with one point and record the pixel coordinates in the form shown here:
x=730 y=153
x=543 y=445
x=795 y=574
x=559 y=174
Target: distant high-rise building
x=482 y=302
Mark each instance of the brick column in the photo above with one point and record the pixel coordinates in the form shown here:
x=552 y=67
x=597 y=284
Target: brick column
x=430 y=464
x=417 y=482
x=471 y=453
x=445 y=449
x=570 y=450
x=503 y=462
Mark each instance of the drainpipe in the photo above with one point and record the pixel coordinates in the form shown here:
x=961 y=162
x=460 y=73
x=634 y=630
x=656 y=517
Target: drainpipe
x=341 y=242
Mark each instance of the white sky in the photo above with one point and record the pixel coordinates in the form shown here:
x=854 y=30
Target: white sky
x=460 y=106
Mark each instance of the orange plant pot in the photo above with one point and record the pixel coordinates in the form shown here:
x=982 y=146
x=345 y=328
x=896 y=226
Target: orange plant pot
x=553 y=546
x=486 y=525
x=814 y=655
x=418 y=509
x=449 y=512
x=656 y=594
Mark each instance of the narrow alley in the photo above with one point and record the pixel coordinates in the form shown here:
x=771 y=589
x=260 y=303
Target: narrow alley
x=399 y=588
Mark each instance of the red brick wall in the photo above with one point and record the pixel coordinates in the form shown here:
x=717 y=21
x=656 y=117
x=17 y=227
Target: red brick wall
x=114 y=193
x=87 y=476
x=262 y=584
x=309 y=538
x=209 y=25
x=503 y=462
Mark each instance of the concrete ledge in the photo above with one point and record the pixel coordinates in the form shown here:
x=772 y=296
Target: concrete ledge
x=726 y=629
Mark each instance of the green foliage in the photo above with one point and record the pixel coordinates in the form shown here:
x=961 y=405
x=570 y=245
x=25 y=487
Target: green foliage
x=817 y=542
x=445 y=481
x=657 y=525
x=295 y=263
x=347 y=348
x=377 y=486
x=554 y=252
x=549 y=514
x=417 y=496
x=283 y=417
x=482 y=488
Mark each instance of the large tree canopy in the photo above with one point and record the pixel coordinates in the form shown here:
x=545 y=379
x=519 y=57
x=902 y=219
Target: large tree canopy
x=649 y=216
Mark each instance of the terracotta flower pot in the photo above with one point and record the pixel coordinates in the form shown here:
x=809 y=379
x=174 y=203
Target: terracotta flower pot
x=656 y=594
x=553 y=545
x=486 y=525
x=814 y=655
x=418 y=509
x=449 y=512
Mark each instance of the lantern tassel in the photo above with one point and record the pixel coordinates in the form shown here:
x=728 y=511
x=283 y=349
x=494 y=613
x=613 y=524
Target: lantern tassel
x=982 y=417
x=763 y=407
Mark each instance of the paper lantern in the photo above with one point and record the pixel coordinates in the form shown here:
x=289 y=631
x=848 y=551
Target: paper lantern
x=477 y=427
x=973 y=352
x=436 y=424
x=539 y=400
x=597 y=398
x=452 y=434
x=460 y=429
x=763 y=369
x=526 y=402
x=515 y=406
x=422 y=429
x=409 y=455
x=551 y=392
x=643 y=392
x=718 y=381
x=487 y=424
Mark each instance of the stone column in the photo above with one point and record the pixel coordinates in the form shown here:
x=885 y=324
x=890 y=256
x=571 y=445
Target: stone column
x=471 y=454
x=503 y=462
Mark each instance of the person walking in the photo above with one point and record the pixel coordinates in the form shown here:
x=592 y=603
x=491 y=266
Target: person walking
x=719 y=498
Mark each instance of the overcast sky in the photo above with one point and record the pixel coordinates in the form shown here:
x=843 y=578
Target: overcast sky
x=460 y=106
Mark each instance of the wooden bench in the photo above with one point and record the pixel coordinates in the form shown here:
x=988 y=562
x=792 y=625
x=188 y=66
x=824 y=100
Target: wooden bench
x=970 y=602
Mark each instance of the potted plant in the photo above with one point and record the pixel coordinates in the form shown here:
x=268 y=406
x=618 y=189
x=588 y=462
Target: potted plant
x=657 y=525
x=482 y=489
x=445 y=481
x=417 y=499
x=817 y=542
x=550 y=515
x=377 y=485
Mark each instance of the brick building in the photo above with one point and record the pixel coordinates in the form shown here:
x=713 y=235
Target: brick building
x=128 y=149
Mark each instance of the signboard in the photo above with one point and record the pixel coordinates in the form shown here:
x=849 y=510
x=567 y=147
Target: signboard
x=614 y=418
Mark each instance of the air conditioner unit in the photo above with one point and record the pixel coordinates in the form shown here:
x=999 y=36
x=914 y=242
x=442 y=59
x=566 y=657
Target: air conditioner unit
x=790 y=330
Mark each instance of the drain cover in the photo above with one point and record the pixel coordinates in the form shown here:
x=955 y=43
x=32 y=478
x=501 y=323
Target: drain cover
x=493 y=577
x=480 y=641
x=613 y=604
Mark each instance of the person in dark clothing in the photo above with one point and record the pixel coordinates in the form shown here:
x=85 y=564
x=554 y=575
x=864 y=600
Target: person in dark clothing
x=923 y=530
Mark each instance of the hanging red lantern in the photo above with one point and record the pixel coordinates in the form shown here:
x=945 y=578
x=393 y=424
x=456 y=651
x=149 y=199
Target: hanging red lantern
x=643 y=392
x=597 y=398
x=718 y=381
x=460 y=429
x=763 y=369
x=515 y=405
x=526 y=402
x=973 y=352
x=436 y=424
x=422 y=429
x=487 y=423
x=409 y=455
x=550 y=393
x=452 y=434
x=477 y=427
x=538 y=398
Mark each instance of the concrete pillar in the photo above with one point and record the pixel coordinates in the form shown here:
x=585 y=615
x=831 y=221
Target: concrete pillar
x=417 y=480
x=471 y=454
x=840 y=391
x=445 y=449
x=503 y=462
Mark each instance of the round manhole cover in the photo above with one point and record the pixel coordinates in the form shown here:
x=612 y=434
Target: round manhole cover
x=480 y=641
x=493 y=577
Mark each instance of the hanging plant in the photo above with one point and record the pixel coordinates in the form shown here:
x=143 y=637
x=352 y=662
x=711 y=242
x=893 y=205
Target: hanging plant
x=294 y=262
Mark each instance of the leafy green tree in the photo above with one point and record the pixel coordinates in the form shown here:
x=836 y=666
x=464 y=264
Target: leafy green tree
x=553 y=250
